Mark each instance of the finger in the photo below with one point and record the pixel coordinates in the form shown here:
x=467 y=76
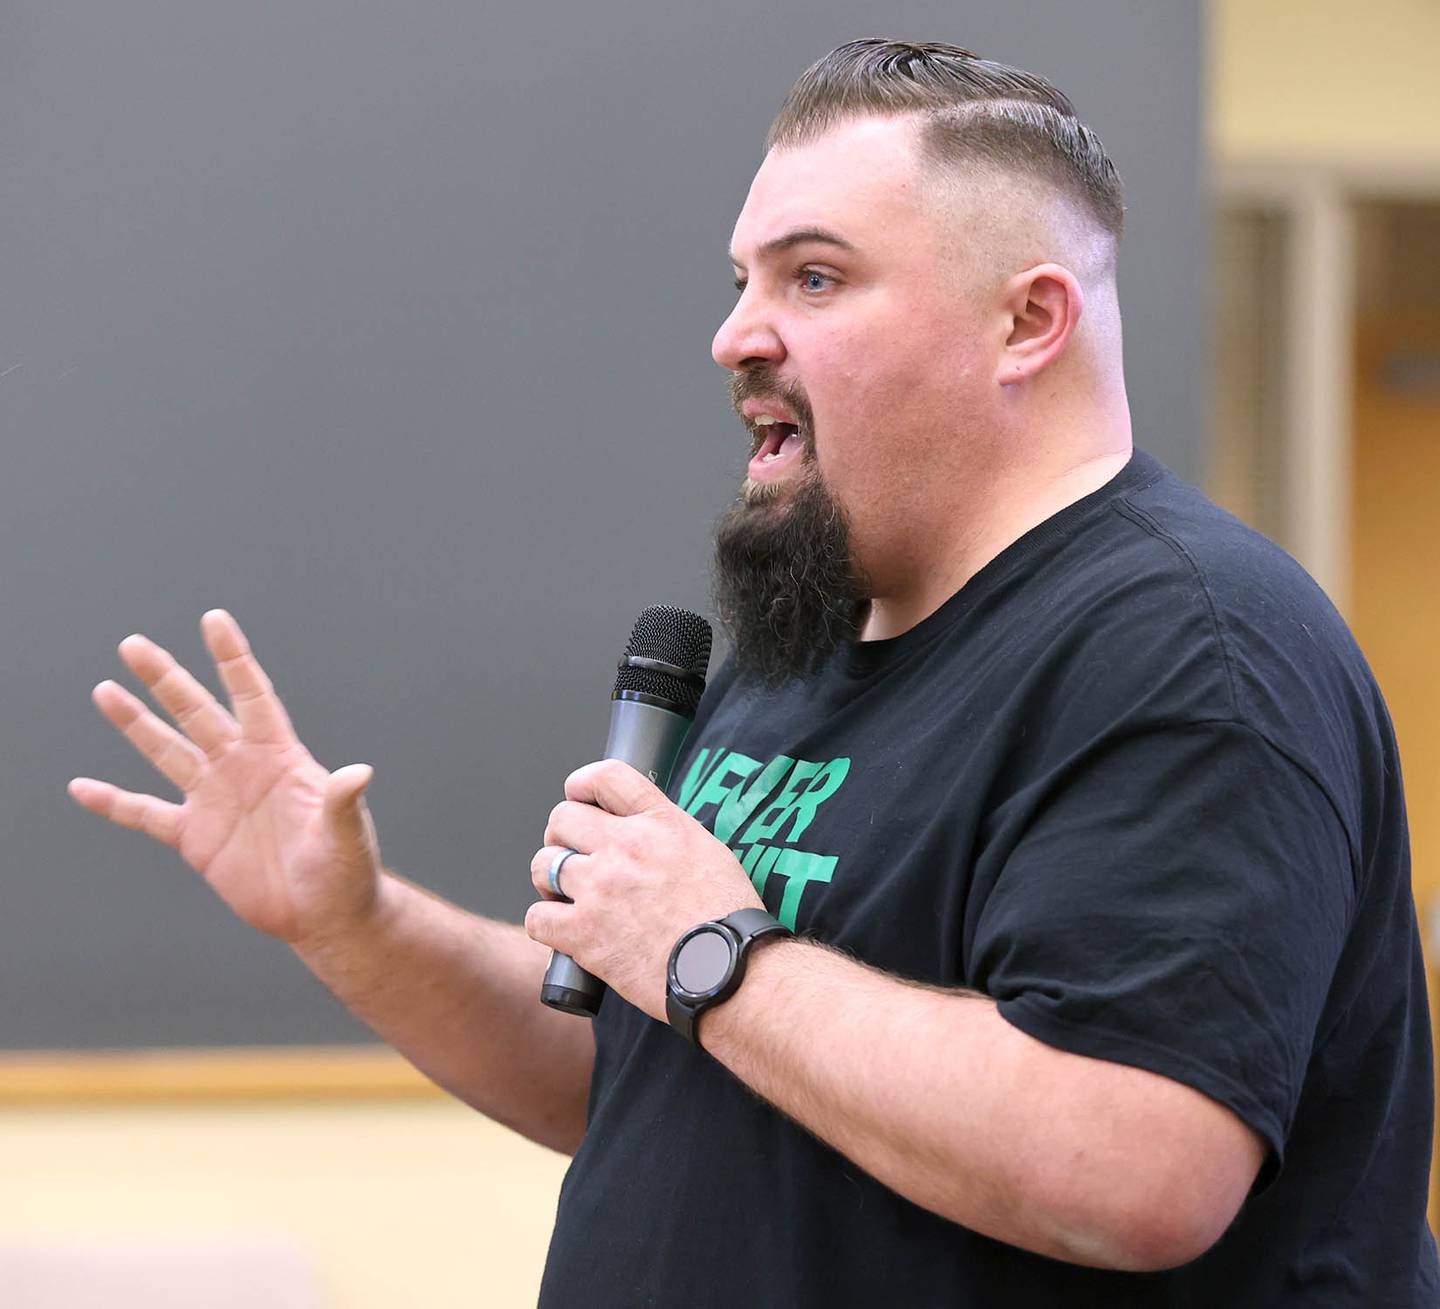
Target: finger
x=177 y=758
x=545 y=921
x=580 y=826
x=252 y=698
x=143 y=813
x=200 y=716
x=615 y=786
x=344 y=806
x=540 y=871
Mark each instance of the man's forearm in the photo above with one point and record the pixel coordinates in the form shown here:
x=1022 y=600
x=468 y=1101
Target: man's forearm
x=459 y=996
x=941 y=1099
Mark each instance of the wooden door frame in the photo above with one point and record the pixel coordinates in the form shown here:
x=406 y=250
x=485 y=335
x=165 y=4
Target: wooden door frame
x=1319 y=198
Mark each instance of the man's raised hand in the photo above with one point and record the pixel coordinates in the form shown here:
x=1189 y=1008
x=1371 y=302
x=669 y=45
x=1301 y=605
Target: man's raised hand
x=287 y=845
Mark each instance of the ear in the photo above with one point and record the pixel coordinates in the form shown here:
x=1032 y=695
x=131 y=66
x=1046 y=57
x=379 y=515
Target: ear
x=1043 y=306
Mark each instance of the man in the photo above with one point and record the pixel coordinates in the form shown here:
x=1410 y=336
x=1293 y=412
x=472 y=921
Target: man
x=1080 y=798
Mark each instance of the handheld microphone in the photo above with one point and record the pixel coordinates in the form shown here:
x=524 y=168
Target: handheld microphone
x=661 y=678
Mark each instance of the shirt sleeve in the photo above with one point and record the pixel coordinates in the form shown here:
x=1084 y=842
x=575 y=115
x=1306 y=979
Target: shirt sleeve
x=1175 y=900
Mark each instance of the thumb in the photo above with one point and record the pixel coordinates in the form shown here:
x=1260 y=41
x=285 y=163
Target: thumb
x=345 y=810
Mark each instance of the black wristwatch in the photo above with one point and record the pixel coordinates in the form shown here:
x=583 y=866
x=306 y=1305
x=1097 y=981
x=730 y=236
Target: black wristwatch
x=708 y=963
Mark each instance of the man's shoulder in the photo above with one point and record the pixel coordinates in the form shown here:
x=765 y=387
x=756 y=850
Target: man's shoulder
x=1161 y=531
x=1237 y=629
x=1276 y=627
x=1166 y=563
x=1242 y=568
x=1148 y=607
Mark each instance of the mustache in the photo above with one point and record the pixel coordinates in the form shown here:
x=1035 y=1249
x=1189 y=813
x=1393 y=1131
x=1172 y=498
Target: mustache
x=762 y=384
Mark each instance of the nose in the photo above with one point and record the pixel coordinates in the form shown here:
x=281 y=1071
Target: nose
x=747 y=338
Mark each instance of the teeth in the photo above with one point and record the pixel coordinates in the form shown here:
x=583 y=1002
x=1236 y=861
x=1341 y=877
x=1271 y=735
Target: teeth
x=764 y=420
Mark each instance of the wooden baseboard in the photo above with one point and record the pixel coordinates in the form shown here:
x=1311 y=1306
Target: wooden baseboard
x=53 y=1078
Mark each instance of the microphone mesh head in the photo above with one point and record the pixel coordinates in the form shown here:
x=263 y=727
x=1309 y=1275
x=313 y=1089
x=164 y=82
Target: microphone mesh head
x=672 y=636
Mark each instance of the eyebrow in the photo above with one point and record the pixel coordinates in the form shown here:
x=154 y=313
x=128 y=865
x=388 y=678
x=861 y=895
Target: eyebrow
x=799 y=236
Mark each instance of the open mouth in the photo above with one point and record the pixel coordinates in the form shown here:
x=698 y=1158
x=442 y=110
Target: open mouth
x=777 y=446
x=772 y=437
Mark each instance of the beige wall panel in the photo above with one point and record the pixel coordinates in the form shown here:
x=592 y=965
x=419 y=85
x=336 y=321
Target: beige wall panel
x=421 y=1203
x=1325 y=79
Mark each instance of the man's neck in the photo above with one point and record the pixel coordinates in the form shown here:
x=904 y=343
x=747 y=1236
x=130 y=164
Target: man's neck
x=922 y=591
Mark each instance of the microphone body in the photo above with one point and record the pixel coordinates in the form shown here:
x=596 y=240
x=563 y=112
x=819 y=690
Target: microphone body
x=662 y=674
x=648 y=738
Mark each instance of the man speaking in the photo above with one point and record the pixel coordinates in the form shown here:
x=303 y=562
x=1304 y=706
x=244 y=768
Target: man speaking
x=1045 y=825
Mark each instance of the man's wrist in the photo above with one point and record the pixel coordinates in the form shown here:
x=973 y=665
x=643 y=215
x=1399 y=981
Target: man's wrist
x=365 y=923
x=765 y=969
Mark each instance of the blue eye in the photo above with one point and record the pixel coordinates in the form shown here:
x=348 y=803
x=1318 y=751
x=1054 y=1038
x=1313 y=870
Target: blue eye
x=802 y=276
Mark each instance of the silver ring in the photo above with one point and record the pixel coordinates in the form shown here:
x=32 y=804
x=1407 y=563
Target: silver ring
x=556 y=864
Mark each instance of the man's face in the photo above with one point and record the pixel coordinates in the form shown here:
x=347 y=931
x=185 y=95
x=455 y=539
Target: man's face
x=848 y=326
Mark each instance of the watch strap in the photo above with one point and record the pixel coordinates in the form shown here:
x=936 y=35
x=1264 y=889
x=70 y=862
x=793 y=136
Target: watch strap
x=749 y=923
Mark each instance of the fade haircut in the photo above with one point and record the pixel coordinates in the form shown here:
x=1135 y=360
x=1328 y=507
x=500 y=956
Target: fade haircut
x=972 y=110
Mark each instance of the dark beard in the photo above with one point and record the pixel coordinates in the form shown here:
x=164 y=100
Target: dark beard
x=786 y=590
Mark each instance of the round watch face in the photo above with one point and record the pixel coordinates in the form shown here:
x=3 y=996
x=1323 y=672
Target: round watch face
x=703 y=962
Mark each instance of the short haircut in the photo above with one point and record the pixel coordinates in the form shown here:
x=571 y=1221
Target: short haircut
x=972 y=110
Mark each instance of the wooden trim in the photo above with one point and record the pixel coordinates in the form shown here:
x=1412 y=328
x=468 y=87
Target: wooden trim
x=1277 y=180
x=250 y=1073
x=1321 y=330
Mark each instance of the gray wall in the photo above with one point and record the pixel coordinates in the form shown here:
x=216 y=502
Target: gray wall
x=387 y=327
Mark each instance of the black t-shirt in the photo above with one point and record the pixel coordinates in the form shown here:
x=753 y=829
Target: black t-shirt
x=1136 y=783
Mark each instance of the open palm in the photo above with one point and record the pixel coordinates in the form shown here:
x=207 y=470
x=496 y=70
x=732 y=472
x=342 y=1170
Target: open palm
x=287 y=845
